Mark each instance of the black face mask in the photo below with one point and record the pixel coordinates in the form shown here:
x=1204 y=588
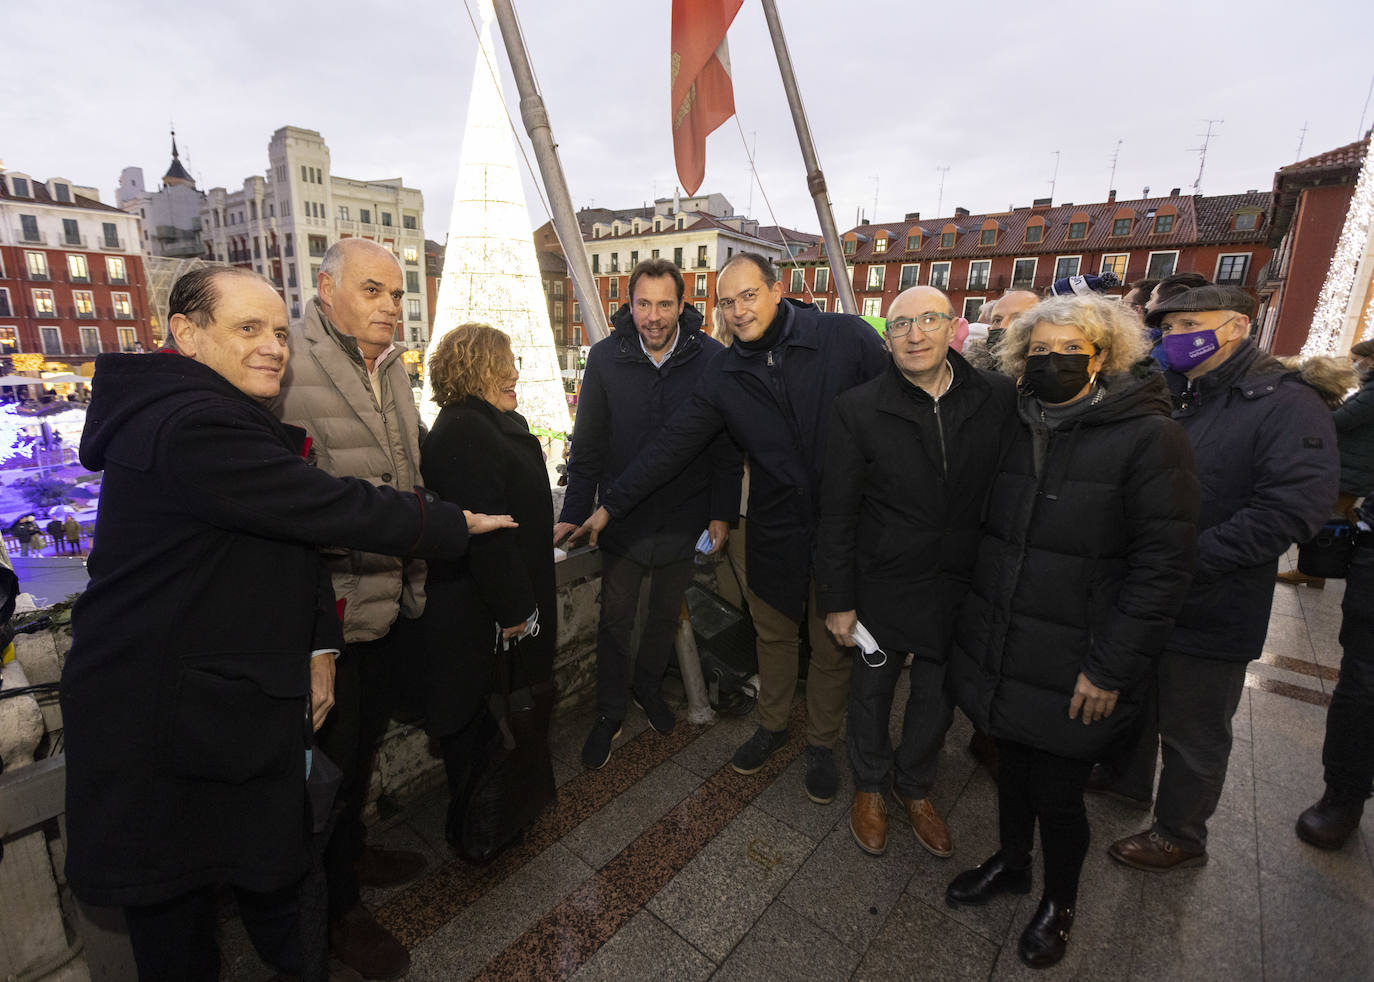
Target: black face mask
x=1055 y=378
x=995 y=337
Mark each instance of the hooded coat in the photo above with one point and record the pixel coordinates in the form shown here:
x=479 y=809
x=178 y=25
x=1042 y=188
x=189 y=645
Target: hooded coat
x=625 y=400
x=1085 y=559
x=185 y=696
x=1266 y=456
x=775 y=404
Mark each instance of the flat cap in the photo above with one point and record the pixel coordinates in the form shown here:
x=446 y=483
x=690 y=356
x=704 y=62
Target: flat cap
x=1209 y=297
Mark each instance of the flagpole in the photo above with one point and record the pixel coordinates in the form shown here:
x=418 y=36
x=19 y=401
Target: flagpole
x=815 y=180
x=536 y=119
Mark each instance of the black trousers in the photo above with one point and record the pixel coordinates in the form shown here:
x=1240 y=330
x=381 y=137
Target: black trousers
x=174 y=941
x=620 y=583
x=929 y=710
x=1348 y=753
x=1035 y=785
x=369 y=686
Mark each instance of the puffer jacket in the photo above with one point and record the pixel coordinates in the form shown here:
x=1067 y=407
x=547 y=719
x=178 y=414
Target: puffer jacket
x=1355 y=435
x=326 y=392
x=1083 y=564
x=1266 y=457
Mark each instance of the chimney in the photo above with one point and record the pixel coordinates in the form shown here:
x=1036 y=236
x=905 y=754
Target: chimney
x=961 y=213
x=1041 y=203
x=1111 y=195
x=1174 y=192
x=912 y=216
x=1145 y=192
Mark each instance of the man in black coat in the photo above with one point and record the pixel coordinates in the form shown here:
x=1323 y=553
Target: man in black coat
x=203 y=649
x=1266 y=459
x=908 y=465
x=771 y=391
x=637 y=380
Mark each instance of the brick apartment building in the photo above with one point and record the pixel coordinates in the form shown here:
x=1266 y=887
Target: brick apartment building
x=71 y=272
x=975 y=258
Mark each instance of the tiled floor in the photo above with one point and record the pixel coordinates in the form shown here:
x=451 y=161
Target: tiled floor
x=667 y=865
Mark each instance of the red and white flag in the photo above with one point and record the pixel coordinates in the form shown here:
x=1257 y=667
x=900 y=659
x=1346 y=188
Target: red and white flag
x=702 y=95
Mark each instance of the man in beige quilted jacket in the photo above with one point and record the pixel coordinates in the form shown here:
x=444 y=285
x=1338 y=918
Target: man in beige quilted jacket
x=346 y=385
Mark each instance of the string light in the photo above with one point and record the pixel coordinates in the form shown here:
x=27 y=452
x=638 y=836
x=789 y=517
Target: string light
x=1328 y=321
x=491 y=274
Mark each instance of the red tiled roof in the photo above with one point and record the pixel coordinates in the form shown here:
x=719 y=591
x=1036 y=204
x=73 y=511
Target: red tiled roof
x=41 y=196
x=1199 y=219
x=1350 y=155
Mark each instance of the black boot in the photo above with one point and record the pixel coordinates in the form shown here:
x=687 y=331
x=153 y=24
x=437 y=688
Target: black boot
x=975 y=887
x=1328 y=823
x=1046 y=937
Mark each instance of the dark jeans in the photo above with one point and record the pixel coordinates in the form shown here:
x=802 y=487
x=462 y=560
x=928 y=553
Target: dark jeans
x=1187 y=715
x=175 y=941
x=1035 y=785
x=1348 y=753
x=620 y=583
x=367 y=690
x=929 y=711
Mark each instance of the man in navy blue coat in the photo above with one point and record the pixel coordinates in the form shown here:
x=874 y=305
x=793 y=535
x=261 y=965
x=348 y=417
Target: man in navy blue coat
x=637 y=380
x=771 y=391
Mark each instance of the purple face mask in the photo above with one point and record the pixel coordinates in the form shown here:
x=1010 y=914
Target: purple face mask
x=1184 y=352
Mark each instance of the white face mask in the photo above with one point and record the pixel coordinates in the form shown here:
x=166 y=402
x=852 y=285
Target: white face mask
x=873 y=656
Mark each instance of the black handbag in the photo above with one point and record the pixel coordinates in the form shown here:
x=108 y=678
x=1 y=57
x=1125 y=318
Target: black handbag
x=1327 y=554
x=511 y=781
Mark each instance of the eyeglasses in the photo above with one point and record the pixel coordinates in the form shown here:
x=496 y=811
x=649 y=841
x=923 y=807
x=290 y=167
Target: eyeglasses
x=901 y=326
x=745 y=299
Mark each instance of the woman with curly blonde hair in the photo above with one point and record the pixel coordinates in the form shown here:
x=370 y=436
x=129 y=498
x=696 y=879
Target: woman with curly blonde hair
x=498 y=601
x=1086 y=555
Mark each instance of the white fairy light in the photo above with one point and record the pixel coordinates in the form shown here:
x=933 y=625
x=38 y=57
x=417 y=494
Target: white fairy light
x=1328 y=321
x=491 y=273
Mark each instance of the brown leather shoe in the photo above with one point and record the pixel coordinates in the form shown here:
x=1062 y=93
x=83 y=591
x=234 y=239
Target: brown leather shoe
x=378 y=867
x=868 y=822
x=1153 y=853
x=931 y=830
x=357 y=940
x=1295 y=578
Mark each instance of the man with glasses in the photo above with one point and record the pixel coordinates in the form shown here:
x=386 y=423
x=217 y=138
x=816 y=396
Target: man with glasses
x=1266 y=458
x=909 y=461
x=771 y=391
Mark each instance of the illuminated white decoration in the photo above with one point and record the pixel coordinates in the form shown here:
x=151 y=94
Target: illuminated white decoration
x=19 y=431
x=491 y=273
x=1329 y=322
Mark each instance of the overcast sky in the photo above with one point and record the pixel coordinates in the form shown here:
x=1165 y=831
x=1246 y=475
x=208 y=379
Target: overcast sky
x=895 y=90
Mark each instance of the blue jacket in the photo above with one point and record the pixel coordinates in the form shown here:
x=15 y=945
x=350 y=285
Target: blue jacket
x=1266 y=457
x=625 y=401
x=776 y=405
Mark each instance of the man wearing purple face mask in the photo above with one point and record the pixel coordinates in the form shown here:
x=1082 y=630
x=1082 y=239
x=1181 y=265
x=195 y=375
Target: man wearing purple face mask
x=1266 y=458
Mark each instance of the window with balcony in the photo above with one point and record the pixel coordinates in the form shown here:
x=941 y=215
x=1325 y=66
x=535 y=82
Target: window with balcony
x=412 y=309
x=701 y=257
x=343 y=213
x=613 y=287
x=71 y=232
x=1164 y=224
x=410 y=222
x=1116 y=265
x=1232 y=269
x=677 y=257
x=37 y=263
x=1023 y=274
x=90 y=341
x=43 y=304
x=365 y=215
x=798 y=283
x=596 y=263
x=701 y=284
x=84 y=303
x=1066 y=266
x=615 y=262
x=1121 y=226
x=5 y=309
x=111 y=234
x=115 y=271
x=978 y=274
x=939 y=275
x=558 y=312
x=873 y=306
x=123 y=305
x=128 y=339
x=577 y=312
x=412 y=255
x=9 y=341
x=52 y=340
x=1034 y=234
x=386 y=219
x=1078 y=230
x=558 y=289
x=821 y=281
x=28 y=229
x=876 y=275
x=318 y=246
x=412 y=281
x=910 y=274
x=78 y=271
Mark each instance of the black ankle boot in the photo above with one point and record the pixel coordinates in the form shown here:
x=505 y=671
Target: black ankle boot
x=975 y=887
x=1046 y=937
x=1328 y=823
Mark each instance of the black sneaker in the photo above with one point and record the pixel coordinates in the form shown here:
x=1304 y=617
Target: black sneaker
x=661 y=717
x=597 y=750
x=822 y=780
x=754 y=752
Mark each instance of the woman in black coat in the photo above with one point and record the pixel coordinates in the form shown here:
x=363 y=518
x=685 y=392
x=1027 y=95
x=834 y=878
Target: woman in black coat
x=481 y=450
x=1087 y=553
